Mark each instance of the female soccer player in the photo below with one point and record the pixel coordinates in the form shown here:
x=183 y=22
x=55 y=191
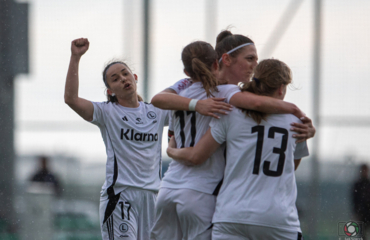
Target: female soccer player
x=132 y=133
x=185 y=203
x=258 y=194
x=235 y=53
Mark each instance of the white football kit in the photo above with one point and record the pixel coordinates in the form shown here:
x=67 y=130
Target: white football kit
x=132 y=137
x=259 y=186
x=180 y=212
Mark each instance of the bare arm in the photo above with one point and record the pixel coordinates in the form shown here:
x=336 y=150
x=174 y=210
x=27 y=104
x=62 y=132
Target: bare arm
x=81 y=106
x=264 y=104
x=170 y=100
x=207 y=107
x=296 y=163
x=198 y=154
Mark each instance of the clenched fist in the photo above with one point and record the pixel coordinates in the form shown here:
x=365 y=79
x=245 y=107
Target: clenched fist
x=79 y=46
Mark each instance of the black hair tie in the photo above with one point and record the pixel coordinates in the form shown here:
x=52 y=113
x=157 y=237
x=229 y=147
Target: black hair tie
x=256 y=80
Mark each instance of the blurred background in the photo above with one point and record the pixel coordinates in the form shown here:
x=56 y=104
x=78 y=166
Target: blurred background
x=325 y=43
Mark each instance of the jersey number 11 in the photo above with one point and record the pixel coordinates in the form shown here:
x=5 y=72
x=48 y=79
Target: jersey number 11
x=181 y=115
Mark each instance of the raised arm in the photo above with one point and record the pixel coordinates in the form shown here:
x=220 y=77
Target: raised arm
x=198 y=154
x=81 y=106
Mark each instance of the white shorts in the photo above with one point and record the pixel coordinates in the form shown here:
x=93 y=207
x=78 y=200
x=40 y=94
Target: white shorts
x=129 y=215
x=183 y=214
x=237 y=231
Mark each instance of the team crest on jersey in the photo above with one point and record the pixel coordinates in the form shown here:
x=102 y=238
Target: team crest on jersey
x=123 y=227
x=151 y=115
x=138 y=121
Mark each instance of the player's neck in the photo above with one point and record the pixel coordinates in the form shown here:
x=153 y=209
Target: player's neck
x=224 y=77
x=130 y=101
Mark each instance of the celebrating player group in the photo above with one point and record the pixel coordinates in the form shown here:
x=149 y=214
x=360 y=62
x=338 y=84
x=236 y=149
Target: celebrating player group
x=235 y=145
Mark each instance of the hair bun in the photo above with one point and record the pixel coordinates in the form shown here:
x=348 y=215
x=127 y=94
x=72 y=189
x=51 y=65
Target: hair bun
x=222 y=35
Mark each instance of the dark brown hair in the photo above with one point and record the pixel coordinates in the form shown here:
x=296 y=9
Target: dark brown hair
x=198 y=58
x=111 y=98
x=269 y=75
x=227 y=41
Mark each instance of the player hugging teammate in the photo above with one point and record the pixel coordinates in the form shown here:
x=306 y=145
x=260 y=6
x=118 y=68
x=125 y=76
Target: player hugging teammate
x=187 y=197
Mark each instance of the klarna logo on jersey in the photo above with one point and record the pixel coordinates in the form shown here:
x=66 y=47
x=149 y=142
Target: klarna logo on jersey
x=131 y=135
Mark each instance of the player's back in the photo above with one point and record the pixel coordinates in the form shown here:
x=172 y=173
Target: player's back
x=189 y=127
x=259 y=185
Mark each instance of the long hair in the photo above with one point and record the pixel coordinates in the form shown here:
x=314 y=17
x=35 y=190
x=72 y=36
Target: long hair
x=227 y=41
x=111 y=98
x=198 y=58
x=269 y=75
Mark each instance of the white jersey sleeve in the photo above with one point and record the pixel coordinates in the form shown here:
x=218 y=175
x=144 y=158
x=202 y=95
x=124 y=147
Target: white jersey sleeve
x=219 y=129
x=167 y=114
x=98 y=113
x=181 y=85
x=227 y=91
x=301 y=150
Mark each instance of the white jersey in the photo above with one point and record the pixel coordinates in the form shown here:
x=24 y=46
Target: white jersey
x=181 y=85
x=259 y=186
x=132 y=138
x=189 y=127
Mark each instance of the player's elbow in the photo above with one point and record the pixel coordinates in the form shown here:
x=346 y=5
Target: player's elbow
x=156 y=100
x=69 y=97
x=69 y=101
x=161 y=100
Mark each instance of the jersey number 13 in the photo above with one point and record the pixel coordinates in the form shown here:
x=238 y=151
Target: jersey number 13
x=281 y=151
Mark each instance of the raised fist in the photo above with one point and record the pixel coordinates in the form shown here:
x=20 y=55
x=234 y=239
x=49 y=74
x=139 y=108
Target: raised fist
x=79 y=46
